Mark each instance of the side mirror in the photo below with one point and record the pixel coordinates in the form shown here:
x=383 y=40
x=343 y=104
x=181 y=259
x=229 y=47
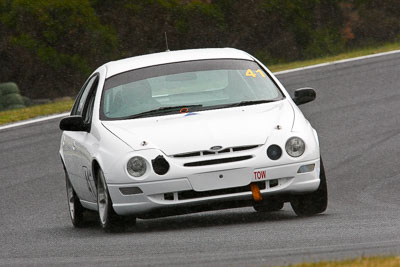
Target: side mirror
x=304 y=95
x=73 y=123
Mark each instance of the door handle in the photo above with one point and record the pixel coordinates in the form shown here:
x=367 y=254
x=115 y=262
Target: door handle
x=73 y=146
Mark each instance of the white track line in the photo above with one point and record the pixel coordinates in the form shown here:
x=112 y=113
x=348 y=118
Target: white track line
x=26 y=122
x=337 y=62
x=12 y=125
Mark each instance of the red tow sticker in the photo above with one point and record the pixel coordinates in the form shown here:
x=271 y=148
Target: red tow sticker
x=260 y=175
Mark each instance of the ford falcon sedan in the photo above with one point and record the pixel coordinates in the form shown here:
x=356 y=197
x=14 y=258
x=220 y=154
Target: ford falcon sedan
x=188 y=131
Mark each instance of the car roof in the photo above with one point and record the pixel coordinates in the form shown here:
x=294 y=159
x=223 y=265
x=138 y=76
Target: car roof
x=123 y=65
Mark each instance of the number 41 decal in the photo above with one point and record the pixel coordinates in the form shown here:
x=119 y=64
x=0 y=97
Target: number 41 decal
x=250 y=73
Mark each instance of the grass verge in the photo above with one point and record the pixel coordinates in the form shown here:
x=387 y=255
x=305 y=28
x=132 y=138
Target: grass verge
x=360 y=262
x=10 y=116
x=20 y=114
x=350 y=54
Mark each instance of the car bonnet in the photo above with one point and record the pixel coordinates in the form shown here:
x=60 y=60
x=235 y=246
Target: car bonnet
x=199 y=131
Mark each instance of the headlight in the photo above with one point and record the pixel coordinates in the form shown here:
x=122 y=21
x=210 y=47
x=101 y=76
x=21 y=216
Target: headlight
x=136 y=166
x=295 y=146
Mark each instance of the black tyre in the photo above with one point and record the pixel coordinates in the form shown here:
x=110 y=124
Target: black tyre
x=312 y=203
x=109 y=220
x=74 y=205
x=269 y=206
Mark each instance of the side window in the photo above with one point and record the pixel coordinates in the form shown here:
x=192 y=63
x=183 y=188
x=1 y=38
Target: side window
x=87 y=111
x=87 y=116
x=80 y=102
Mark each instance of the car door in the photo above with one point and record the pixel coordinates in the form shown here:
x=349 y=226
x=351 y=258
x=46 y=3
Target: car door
x=77 y=144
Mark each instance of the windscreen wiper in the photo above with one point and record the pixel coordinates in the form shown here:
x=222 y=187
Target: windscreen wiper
x=163 y=110
x=250 y=102
x=180 y=107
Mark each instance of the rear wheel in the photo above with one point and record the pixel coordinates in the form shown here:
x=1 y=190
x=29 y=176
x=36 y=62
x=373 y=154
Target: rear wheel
x=312 y=203
x=74 y=205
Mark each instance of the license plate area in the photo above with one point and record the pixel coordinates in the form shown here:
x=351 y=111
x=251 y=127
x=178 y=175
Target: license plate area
x=221 y=179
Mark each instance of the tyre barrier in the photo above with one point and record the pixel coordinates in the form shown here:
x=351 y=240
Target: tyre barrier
x=10 y=97
x=9 y=88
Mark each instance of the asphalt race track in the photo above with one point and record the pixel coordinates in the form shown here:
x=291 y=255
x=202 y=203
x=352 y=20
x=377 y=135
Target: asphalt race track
x=357 y=116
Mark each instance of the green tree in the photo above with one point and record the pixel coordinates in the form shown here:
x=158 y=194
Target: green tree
x=377 y=21
x=52 y=45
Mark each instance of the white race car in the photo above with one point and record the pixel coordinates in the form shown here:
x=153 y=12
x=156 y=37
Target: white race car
x=188 y=131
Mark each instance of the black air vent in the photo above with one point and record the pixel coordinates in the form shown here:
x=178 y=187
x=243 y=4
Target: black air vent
x=211 y=152
x=193 y=154
x=130 y=190
x=160 y=165
x=215 y=161
x=241 y=148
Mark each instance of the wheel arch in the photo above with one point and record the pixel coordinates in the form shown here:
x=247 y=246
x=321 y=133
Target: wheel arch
x=65 y=171
x=95 y=168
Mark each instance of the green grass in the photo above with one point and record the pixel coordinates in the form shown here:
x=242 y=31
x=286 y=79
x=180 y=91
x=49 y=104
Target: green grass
x=66 y=105
x=360 y=262
x=20 y=114
x=349 y=54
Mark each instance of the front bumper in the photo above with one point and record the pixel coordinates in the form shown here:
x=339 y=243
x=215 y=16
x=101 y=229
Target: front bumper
x=208 y=189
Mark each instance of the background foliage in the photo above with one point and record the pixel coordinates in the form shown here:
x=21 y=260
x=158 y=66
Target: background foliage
x=49 y=47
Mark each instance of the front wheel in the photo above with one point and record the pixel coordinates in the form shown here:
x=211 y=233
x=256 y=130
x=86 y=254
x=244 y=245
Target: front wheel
x=269 y=205
x=107 y=216
x=312 y=203
x=109 y=220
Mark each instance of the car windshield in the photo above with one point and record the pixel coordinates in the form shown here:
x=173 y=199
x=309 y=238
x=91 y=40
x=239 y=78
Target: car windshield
x=185 y=87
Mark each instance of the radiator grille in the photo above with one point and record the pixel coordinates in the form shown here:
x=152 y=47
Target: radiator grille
x=215 y=161
x=210 y=152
